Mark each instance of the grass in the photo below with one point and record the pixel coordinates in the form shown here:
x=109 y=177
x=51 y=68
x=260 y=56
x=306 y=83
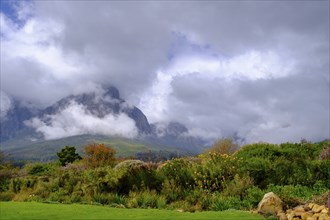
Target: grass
x=33 y=210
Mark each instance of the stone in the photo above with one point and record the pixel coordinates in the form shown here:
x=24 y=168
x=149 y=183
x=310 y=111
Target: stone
x=290 y=216
x=324 y=217
x=311 y=218
x=317 y=208
x=271 y=204
x=310 y=206
x=324 y=211
x=282 y=216
x=305 y=215
x=298 y=211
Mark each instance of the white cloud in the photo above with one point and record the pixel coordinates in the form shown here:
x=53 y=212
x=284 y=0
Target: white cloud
x=76 y=120
x=253 y=65
x=202 y=66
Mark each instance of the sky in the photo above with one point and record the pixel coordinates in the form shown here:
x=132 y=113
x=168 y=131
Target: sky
x=258 y=70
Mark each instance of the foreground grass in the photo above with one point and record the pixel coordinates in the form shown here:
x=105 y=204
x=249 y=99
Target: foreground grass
x=33 y=210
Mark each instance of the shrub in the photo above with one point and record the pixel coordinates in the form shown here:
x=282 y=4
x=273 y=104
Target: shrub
x=325 y=154
x=68 y=155
x=292 y=195
x=97 y=155
x=104 y=199
x=137 y=175
x=61 y=196
x=221 y=203
x=238 y=186
x=171 y=191
x=223 y=146
x=259 y=169
x=259 y=150
x=215 y=171
x=5 y=179
x=147 y=199
x=252 y=197
x=40 y=169
x=6 y=196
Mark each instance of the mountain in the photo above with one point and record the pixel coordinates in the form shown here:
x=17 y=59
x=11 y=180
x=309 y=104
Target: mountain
x=172 y=129
x=101 y=104
x=13 y=123
x=101 y=116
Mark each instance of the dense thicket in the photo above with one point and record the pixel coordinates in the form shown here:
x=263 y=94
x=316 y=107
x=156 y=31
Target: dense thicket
x=214 y=180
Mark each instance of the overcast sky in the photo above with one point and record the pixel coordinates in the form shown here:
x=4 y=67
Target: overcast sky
x=257 y=69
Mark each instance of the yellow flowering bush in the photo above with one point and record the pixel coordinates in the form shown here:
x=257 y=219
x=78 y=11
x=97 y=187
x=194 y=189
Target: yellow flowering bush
x=215 y=171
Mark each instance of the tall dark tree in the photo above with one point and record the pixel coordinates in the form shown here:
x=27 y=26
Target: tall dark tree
x=68 y=155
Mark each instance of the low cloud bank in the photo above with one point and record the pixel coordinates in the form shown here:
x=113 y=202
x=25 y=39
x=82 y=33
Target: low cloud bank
x=75 y=119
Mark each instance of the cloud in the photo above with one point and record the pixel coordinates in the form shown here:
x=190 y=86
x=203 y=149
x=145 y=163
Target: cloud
x=75 y=119
x=5 y=104
x=257 y=69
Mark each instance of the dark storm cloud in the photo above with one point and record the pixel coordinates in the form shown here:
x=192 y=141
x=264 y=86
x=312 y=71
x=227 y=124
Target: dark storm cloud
x=256 y=68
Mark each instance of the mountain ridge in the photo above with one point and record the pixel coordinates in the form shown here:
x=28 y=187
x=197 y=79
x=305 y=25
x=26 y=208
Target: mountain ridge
x=27 y=132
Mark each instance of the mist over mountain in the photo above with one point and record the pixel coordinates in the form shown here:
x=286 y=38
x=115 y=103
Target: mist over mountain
x=99 y=112
x=12 y=122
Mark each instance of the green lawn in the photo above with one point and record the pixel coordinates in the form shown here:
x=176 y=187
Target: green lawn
x=33 y=210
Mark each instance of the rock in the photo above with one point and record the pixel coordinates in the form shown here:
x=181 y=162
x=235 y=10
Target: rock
x=282 y=216
x=310 y=206
x=290 y=216
x=298 y=211
x=309 y=211
x=306 y=215
x=271 y=204
x=317 y=208
x=324 y=217
x=324 y=211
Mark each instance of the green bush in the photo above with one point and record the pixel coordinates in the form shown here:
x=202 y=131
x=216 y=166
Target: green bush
x=179 y=172
x=221 y=203
x=6 y=175
x=68 y=155
x=146 y=199
x=137 y=175
x=215 y=171
x=238 y=186
x=40 y=169
x=6 y=196
x=252 y=197
x=171 y=191
x=292 y=195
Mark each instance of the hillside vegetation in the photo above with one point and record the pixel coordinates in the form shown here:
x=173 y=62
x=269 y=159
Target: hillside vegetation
x=212 y=181
x=21 y=149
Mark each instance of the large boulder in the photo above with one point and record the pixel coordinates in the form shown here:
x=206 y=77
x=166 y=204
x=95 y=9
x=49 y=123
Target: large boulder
x=270 y=204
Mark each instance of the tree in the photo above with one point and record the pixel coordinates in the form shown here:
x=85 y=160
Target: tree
x=97 y=155
x=224 y=146
x=68 y=155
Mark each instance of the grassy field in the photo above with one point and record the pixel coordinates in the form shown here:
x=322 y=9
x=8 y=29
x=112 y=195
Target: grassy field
x=33 y=210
